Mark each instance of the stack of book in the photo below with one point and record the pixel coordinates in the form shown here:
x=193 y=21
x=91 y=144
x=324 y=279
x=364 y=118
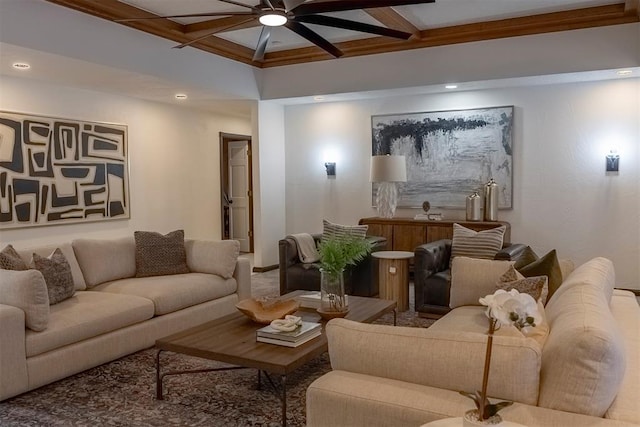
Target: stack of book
x=306 y=332
x=309 y=300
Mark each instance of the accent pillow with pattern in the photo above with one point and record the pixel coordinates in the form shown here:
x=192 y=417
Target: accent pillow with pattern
x=160 y=255
x=331 y=230
x=11 y=260
x=483 y=244
x=535 y=286
x=57 y=275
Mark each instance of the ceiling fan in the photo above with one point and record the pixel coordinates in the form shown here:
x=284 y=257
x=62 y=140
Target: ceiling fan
x=293 y=14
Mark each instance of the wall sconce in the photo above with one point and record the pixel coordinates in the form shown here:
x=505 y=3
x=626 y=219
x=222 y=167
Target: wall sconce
x=613 y=161
x=331 y=168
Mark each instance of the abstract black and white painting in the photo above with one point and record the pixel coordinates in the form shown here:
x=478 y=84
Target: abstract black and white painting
x=58 y=171
x=449 y=154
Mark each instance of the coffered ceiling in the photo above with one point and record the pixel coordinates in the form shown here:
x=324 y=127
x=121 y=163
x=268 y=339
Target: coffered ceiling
x=433 y=24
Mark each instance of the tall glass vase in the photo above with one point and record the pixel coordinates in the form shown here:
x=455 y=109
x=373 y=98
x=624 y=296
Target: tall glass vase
x=333 y=301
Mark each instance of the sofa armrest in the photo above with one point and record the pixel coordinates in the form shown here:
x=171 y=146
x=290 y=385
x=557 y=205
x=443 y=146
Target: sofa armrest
x=13 y=359
x=449 y=360
x=511 y=252
x=242 y=274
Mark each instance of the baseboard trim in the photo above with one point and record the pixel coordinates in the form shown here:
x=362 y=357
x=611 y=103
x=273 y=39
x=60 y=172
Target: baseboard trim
x=265 y=269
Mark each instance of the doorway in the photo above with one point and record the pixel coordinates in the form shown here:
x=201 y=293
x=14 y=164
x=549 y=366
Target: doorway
x=236 y=188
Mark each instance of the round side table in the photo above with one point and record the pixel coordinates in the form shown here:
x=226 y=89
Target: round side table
x=394 y=276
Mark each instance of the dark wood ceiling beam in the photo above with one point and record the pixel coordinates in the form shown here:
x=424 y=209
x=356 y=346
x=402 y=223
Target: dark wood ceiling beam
x=219 y=25
x=392 y=19
x=632 y=7
x=514 y=27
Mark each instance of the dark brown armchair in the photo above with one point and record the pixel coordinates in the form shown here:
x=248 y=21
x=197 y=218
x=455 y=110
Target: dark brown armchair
x=360 y=279
x=432 y=277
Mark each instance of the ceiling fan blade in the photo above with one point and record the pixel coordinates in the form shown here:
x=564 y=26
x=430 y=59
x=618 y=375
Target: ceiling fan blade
x=219 y=30
x=346 y=24
x=314 y=38
x=289 y=5
x=269 y=5
x=190 y=15
x=258 y=55
x=324 y=6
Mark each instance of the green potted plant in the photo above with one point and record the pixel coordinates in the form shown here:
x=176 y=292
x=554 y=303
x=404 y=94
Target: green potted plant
x=336 y=254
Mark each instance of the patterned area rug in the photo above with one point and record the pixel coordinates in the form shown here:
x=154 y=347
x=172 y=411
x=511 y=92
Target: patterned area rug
x=122 y=393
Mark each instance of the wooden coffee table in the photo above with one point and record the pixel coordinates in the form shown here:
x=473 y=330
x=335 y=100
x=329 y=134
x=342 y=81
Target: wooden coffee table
x=232 y=340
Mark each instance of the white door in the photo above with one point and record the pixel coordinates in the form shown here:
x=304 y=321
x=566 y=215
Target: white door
x=239 y=193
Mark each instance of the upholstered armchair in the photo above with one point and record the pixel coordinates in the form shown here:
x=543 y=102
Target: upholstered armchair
x=360 y=279
x=432 y=277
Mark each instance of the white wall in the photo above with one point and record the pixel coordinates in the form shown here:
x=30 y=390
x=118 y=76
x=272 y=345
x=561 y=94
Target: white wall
x=563 y=198
x=174 y=160
x=269 y=181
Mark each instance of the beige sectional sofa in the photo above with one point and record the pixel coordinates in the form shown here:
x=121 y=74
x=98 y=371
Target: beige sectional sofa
x=112 y=313
x=585 y=373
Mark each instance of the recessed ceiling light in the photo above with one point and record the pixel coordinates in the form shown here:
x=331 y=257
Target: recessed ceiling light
x=624 y=72
x=451 y=87
x=318 y=98
x=21 y=66
x=181 y=96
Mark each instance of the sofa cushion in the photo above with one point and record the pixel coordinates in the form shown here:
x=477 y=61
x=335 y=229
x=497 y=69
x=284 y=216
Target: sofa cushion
x=527 y=256
x=27 y=291
x=213 y=257
x=174 y=292
x=472 y=279
x=57 y=275
x=103 y=260
x=483 y=244
x=436 y=358
x=331 y=230
x=160 y=255
x=548 y=266
x=69 y=254
x=583 y=362
x=86 y=315
x=474 y=319
x=11 y=260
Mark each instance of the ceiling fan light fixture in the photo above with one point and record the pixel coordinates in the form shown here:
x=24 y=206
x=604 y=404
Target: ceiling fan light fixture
x=273 y=18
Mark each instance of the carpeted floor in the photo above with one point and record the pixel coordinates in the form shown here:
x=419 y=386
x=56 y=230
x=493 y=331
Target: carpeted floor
x=122 y=393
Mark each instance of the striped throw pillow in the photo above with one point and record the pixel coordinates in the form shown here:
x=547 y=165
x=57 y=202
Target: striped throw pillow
x=476 y=244
x=331 y=230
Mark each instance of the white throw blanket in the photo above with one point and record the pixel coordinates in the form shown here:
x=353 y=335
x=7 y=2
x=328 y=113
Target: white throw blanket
x=307 y=251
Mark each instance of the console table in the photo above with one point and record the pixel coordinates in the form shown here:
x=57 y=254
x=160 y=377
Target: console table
x=404 y=234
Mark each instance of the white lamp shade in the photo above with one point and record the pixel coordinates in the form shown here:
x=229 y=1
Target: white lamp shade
x=388 y=169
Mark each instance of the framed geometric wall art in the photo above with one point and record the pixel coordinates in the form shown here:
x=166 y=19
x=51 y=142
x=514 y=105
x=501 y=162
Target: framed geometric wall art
x=59 y=171
x=449 y=154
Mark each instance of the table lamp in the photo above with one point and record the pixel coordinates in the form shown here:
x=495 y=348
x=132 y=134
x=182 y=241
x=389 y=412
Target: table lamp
x=387 y=171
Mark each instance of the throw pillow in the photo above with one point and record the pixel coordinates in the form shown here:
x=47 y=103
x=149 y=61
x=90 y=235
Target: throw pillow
x=472 y=279
x=331 y=230
x=483 y=244
x=213 y=257
x=27 y=291
x=548 y=266
x=57 y=275
x=11 y=260
x=526 y=257
x=535 y=286
x=158 y=255
x=104 y=260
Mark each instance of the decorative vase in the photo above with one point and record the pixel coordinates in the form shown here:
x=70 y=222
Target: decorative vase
x=491 y=201
x=472 y=419
x=474 y=202
x=333 y=301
